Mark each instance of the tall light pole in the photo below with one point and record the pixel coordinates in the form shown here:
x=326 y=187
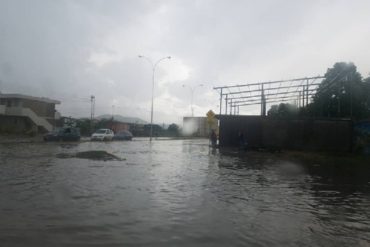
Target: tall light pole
x=154 y=66
x=192 y=89
x=92 y=99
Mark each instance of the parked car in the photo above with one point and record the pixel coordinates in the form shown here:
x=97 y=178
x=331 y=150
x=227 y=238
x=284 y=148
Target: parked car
x=63 y=134
x=123 y=135
x=102 y=135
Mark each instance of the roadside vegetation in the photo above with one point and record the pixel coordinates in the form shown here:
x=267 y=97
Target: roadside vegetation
x=344 y=93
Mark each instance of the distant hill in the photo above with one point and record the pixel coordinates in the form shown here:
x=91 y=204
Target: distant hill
x=131 y=120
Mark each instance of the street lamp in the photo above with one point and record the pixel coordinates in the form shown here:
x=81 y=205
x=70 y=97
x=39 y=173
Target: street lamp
x=112 y=112
x=154 y=65
x=192 y=89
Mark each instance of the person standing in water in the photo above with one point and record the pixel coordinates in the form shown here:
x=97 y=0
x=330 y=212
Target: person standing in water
x=213 y=138
x=242 y=142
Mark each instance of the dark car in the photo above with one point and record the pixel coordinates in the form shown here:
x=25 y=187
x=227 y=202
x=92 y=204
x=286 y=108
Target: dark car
x=124 y=135
x=64 y=134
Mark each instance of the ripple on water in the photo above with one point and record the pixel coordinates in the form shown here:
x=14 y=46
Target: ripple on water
x=173 y=193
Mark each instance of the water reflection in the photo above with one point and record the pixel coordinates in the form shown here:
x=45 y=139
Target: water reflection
x=335 y=198
x=171 y=193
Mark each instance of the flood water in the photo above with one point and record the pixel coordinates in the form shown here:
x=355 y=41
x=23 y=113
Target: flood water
x=176 y=193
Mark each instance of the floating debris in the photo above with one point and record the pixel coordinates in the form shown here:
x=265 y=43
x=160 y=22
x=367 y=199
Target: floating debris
x=92 y=155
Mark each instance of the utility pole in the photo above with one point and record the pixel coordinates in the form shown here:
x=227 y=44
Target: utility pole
x=192 y=89
x=263 y=102
x=231 y=106
x=92 y=99
x=154 y=66
x=221 y=102
x=307 y=92
x=226 y=104
x=350 y=95
x=338 y=100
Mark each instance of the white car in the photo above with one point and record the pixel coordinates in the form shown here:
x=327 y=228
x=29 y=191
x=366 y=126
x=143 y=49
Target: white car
x=102 y=135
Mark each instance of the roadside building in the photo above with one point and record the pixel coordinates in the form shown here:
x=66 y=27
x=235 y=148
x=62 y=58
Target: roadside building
x=119 y=123
x=23 y=113
x=198 y=126
x=117 y=126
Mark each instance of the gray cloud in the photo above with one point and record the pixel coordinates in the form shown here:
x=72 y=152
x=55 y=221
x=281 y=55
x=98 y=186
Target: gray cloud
x=69 y=50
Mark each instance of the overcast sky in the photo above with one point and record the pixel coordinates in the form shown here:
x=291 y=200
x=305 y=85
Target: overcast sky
x=69 y=50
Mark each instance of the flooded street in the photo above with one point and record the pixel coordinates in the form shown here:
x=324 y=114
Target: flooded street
x=176 y=193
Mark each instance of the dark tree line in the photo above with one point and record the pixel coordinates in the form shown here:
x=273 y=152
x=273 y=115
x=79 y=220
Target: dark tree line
x=86 y=128
x=342 y=94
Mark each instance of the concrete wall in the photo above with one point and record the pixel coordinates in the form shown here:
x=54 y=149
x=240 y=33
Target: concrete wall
x=17 y=125
x=42 y=109
x=297 y=134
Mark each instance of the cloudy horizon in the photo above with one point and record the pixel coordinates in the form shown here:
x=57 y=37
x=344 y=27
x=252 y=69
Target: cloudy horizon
x=70 y=50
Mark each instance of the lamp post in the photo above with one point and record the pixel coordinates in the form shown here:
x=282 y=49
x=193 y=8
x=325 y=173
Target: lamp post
x=192 y=89
x=154 y=66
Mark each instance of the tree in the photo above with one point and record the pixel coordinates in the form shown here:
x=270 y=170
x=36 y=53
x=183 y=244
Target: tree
x=173 y=130
x=157 y=130
x=274 y=111
x=341 y=93
x=283 y=110
x=367 y=95
x=84 y=124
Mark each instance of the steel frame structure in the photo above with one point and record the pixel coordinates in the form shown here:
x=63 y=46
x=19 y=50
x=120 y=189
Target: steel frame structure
x=298 y=90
